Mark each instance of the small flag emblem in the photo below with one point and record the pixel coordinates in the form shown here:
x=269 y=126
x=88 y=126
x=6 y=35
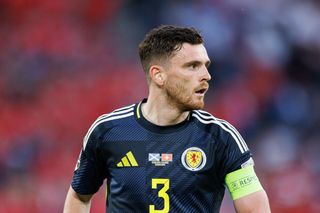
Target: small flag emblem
x=160 y=159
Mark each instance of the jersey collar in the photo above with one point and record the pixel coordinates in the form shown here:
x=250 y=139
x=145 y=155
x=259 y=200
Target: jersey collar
x=156 y=128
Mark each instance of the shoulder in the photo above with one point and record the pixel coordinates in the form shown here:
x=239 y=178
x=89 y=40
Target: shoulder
x=207 y=119
x=108 y=120
x=222 y=129
x=118 y=115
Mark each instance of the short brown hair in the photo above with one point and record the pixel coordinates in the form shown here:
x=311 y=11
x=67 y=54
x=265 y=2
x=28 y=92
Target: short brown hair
x=163 y=41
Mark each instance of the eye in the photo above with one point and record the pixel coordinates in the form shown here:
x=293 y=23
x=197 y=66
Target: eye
x=194 y=66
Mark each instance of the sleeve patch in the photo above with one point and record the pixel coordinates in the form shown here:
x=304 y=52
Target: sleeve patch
x=242 y=182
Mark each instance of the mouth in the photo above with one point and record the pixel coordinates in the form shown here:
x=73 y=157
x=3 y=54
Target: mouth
x=201 y=91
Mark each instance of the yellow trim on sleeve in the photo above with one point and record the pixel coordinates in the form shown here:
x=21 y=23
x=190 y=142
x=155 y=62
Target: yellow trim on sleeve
x=242 y=182
x=138 y=109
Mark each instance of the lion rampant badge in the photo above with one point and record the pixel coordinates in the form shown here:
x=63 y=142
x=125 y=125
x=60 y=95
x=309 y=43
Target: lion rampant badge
x=193 y=159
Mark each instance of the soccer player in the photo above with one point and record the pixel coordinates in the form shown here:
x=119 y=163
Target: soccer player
x=165 y=154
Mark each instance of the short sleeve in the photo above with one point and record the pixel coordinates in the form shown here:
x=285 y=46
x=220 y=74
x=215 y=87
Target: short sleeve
x=232 y=151
x=89 y=173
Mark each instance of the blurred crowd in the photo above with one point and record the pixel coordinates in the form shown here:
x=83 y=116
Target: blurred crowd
x=64 y=63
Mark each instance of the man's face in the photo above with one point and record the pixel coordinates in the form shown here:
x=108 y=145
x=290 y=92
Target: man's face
x=187 y=77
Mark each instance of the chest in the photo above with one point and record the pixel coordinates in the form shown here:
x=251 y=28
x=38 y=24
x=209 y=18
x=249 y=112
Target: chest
x=182 y=163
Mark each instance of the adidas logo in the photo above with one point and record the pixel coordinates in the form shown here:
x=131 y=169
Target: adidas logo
x=128 y=161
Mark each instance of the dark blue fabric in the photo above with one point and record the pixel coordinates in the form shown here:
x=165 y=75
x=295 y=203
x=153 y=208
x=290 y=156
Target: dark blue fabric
x=129 y=188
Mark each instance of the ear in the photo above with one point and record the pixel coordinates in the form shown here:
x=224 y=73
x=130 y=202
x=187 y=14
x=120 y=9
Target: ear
x=157 y=74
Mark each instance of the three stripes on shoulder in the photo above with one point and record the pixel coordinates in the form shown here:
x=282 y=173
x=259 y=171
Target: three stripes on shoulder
x=116 y=114
x=206 y=118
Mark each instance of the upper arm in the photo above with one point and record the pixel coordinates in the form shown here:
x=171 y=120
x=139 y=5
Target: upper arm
x=237 y=169
x=74 y=195
x=76 y=202
x=246 y=191
x=90 y=170
x=88 y=175
x=255 y=202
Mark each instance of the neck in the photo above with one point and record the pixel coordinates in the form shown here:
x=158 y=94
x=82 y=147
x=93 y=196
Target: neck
x=157 y=110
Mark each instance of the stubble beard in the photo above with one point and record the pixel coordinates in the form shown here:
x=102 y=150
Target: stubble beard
x=179 y=97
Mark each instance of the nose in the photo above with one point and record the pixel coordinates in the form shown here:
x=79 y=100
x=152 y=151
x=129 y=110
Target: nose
x=205 y=75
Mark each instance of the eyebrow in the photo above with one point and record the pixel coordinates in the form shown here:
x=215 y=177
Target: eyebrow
x=207 y=64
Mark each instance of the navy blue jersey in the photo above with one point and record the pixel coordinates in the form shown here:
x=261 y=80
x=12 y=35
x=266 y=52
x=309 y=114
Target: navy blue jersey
x=149 y=168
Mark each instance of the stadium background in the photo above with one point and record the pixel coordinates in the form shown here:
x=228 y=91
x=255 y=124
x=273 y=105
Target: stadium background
x=63 y=63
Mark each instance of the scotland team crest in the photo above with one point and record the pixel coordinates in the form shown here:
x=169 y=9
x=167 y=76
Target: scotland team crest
x=193 y=159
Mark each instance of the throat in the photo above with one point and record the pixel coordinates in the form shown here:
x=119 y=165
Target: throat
x=163 y=116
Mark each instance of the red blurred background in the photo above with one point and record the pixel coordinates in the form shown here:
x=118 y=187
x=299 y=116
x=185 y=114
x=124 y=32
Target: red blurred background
x=63 y=63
